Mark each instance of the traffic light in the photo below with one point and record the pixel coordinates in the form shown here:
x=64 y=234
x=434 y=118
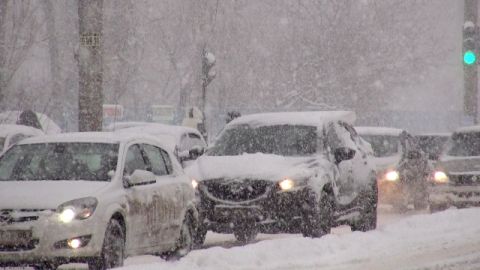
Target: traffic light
x=469 y=43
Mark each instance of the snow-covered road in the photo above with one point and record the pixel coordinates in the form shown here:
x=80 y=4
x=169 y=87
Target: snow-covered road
x=417 y=241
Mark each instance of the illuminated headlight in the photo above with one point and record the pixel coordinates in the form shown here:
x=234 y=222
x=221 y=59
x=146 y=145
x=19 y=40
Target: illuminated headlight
x=440 y=177
x=392 y=176
x=194 y=183
x=286 y=184
x=77 y=209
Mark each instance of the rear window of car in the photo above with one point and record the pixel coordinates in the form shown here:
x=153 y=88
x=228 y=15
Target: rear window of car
x=464 y=144
x=383 y=145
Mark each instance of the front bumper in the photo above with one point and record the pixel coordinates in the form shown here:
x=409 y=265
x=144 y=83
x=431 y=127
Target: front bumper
x=44 y=235
x=274 y=212
x=458 y=196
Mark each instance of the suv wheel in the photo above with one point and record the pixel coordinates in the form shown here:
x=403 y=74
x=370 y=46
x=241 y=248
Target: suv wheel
x=245 y=233
x=318 y=220
x=368 y=215
x=113 y=249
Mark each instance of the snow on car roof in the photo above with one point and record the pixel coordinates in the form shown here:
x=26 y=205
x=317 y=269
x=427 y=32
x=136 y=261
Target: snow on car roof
x=101 y=137
x=434 y=134
x=6 y=129
x=160 y=129
x=48 y=125
x=308 y=118
x=378 y=131
x=468 y=129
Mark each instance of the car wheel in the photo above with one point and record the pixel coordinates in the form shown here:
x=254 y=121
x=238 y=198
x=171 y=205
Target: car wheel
x=318 y=220
x=245 y=234
x=113 y=249
x=368 y=215
x=45 y=266
x=199 y=236
x=185 y=242
x=437 y=207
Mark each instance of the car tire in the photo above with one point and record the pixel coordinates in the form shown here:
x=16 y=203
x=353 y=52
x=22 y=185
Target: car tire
x=318 y=220
x=185 y=241
x=368 y=215
x=245 y=234
x=45 y=266
x=199 y=236
x=113 y=248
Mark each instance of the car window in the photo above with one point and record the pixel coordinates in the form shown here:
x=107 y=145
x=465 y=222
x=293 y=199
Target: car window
x=156 y=159
x=195 y=140
x=464 y=144
x=134 y=160
x=16 y=138
x=168 y=161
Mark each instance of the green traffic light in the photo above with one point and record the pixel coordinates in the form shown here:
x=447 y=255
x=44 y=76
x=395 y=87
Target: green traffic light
x=469 y=58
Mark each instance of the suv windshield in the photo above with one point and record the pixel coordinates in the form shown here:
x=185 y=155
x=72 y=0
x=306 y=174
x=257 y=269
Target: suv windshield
x=285 y=140
x=432 y=145
x=383 y=145
x=59 y=161
x=2 y=143
x=464 y=144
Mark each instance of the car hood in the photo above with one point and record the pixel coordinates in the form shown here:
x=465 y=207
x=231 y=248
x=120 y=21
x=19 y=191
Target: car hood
x=45 y=194
x=255 y=166
x=465 y=165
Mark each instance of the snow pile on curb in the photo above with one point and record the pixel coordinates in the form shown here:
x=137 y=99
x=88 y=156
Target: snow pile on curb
x=416 y=241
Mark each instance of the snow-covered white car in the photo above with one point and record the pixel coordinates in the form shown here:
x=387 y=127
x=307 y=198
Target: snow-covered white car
x=456 y=179
x=12 y=134
x=93 y=198
x=185 y=142
x=402 y=167
x=295 y=172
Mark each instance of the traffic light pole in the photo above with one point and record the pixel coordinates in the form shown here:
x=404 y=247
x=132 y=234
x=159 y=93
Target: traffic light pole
x=470 y=70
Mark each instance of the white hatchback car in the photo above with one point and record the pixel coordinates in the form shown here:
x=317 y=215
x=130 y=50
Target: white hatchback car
x=93 y=198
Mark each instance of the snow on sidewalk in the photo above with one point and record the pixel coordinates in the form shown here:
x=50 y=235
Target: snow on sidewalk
x=445 y=240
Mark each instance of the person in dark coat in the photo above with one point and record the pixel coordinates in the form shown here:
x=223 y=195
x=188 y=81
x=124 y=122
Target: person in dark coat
x=29 y=118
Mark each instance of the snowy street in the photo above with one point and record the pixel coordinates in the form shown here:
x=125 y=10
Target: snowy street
x=415 y=240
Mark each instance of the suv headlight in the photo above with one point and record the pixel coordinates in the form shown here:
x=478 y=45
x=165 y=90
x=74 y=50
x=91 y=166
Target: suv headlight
x=392 y=176
x=77 y=209
x=288 y=184
x=440 y=177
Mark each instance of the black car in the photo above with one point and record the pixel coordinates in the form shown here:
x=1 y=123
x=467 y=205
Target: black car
x=286 y=173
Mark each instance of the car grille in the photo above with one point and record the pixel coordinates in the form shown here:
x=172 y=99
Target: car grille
x=237 y=190
x=9 y=216
x=464 y=180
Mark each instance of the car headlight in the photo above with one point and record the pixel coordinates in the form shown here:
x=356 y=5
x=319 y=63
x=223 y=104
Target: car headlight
x=77 y=209
x=392 y=176
x=194 y=183
x=440 y=177
x=286 y=184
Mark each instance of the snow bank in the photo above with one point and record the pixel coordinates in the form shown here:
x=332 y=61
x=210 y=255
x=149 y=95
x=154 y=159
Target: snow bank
x=423 y=240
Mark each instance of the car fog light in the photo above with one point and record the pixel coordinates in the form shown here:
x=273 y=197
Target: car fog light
x=74 y=243
x=392 y=176
x=286 y=184
x=194 y=183
x=67 y=215
x=440 y=177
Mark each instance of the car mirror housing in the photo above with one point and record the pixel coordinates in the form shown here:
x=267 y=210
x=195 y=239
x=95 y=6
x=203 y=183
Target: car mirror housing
x=343 y=153
x=140 y=177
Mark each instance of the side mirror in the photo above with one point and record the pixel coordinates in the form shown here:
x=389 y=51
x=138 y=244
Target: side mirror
x=343 y=153
x=140 y=177
x=414 y=154
x=195 y=152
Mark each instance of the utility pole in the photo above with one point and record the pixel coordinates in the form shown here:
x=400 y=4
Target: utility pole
x=90 y=63
x=470 y=53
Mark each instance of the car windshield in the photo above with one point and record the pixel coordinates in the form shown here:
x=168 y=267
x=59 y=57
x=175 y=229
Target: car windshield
x=285 y=140
x=383 y=145
x=432 y=145
x=59 y=161
x=464 y=144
